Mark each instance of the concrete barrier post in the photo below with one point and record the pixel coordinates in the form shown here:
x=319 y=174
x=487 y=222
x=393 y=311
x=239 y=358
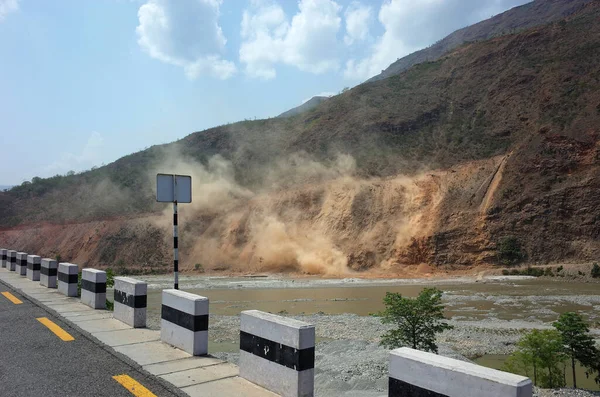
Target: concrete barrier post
x=12 y=260
x=67 y=279
x=277 y=353
x=3 y=257
x=34 y=265
x=417 y=373
x=130 y=301
x=48 y=272
x=93 y=288
x=184 y=321
x=21 y=267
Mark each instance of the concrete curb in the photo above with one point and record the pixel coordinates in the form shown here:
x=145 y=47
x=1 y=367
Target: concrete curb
x=140 y=348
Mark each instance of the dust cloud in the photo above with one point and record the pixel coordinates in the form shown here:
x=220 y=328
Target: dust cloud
x=304 y=216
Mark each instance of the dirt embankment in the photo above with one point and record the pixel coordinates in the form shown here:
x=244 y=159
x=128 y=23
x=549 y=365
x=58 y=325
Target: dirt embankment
x=387 y=226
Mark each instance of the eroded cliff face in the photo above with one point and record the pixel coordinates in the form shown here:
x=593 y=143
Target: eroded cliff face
x=446 y=218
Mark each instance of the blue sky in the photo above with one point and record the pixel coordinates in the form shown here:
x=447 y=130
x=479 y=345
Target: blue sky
x=84 y=82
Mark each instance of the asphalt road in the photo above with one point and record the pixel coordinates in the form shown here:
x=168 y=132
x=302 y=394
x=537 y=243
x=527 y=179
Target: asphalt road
x=35 y=362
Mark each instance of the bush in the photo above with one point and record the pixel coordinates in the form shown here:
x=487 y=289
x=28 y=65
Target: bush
x=199 y=268
x=505 y=272
x=509 y=251
x=595 y=271
x=418 y=320
x=548 y=272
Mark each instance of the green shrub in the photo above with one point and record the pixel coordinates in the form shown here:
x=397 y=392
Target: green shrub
x=199 y=268
x=509 y=251
x=595 y=271
x=505 y=272
x=548 y=272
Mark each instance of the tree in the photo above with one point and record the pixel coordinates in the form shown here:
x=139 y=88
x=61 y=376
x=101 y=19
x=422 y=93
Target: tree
x=595 y=271
x=418 y=320
x=577 y=343
x=509 y=251
x=539 y=352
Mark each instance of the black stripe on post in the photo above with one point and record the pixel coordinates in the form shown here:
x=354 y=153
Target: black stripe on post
x=175 y=242
x=185 y=320
x=134 y=301
x=175 y=219
x=34 y=266
x=50 y=272
x=23 y=263
x=13 y=259
x=398 y=388
x=96 y=288
x=4 y=257
x=290 y=357
x=68 y=278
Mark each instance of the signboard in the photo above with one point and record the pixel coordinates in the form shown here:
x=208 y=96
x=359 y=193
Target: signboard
x=173 y=188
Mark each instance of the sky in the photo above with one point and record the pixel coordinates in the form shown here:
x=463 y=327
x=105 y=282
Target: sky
x=85 y=82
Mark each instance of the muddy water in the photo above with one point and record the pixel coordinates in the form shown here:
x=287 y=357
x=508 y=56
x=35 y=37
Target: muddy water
x=531 y=300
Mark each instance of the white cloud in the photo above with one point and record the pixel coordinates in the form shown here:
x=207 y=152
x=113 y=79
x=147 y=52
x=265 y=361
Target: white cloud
x=414 y=24
x=90 y=156
x=185 y=34
x=308 y=42
x=8 y=6
x=358 y=18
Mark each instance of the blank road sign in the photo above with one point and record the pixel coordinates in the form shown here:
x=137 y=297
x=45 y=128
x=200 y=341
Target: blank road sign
x=171 y=188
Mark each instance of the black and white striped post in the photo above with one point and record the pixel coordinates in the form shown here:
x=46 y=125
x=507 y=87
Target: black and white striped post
x=174 y=189
x=175 y=245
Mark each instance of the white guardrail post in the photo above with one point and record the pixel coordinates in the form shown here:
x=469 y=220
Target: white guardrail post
x=48 y=273
x=34 y=265
x=277 y=353
x=184 y=321
x=130 y=298
x=67 y=279
x=417 y=373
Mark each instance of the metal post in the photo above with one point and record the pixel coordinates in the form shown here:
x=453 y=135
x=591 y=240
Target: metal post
x=175 y=234
x=175 y=245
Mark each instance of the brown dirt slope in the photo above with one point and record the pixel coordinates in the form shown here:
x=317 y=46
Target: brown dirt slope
x=498 y=138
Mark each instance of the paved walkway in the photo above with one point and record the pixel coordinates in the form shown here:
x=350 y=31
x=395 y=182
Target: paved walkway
x=195 y=376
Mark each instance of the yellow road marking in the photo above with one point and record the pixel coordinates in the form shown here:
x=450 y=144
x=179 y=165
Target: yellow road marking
x=58 y=331
x=133 y=386
x=12 y=298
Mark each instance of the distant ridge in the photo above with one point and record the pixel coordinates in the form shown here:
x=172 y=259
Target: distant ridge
x=305 y=107
x=519 y=18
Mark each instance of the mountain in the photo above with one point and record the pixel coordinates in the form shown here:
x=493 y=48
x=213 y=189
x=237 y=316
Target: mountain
x=306 y=106
x=5 y=187
x=497 y=140
x=519 y=18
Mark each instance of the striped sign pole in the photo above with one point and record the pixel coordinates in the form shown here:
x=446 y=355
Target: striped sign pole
x=174 y=189
x=175 y=245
